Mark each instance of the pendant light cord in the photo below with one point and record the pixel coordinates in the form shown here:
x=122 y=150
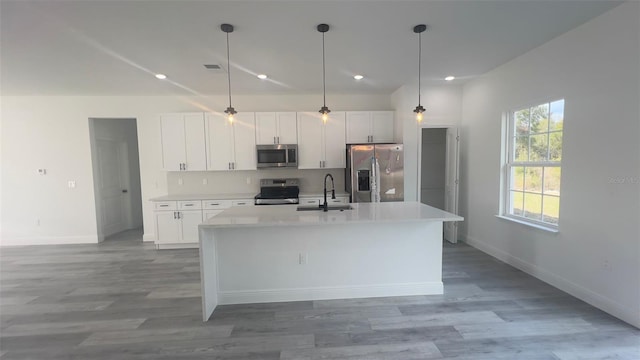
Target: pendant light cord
x=324 y=90
x=419 y=63
x=229 y=69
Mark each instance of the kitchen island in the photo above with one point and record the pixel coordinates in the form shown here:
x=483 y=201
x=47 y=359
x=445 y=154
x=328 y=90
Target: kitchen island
x=276 y=253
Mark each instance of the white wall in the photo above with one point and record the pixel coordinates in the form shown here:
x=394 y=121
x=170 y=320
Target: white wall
x=443 y=106
x=53 y=133
x=595 y=68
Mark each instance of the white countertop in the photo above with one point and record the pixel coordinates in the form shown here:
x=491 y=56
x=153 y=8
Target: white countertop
x=178 y=197
x=286 y=215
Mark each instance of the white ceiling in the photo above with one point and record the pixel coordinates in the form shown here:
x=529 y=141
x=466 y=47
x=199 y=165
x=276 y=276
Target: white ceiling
x=98 y=47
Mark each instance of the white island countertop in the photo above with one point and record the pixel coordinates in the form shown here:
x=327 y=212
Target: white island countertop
x=287 y=215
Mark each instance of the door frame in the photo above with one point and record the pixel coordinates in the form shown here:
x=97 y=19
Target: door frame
x=456 y=164
x=131 y=216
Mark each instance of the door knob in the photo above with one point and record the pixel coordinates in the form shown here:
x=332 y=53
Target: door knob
x=125 y=191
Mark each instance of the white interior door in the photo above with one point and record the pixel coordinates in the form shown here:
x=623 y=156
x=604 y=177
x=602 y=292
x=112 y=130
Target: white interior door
x=114 y=192
x=452 y=183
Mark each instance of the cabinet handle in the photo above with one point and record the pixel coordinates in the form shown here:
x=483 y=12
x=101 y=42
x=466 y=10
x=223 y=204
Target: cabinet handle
x=229 y=166
x=188 y=204
x=216 y=204
x=278 y=137
x=184 y=166
x=242 y=203
x=164 y=205
x=274 y=140
x=233 y=166
x=178 y=214
x=174 y=215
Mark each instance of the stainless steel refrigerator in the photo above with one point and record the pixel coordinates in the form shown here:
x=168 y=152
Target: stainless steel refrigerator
x=375 y=173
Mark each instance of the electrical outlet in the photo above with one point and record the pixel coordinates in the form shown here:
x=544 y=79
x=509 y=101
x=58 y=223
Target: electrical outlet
x=303 y=258
x=248 y=180
x=180 y=182
x=606 y=265
x=205 y=181
x=71 y=184
x=37 y=222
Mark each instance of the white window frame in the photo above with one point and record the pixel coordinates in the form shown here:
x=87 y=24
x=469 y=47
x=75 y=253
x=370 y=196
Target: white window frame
x=507 y=162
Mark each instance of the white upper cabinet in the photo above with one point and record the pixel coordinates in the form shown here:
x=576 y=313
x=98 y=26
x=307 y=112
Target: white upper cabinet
x=276 y=128
x=231 y=145
x=369 y=127
x=183 y=142
x=321 y=145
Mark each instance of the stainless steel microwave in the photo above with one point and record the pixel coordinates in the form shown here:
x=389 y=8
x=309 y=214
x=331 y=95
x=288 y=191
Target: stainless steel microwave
x=277 y=155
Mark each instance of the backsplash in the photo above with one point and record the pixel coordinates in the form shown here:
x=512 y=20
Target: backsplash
x=232 y=182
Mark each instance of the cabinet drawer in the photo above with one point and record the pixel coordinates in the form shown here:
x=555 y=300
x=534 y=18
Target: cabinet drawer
x=190 y=205
x=165 y=205
x=310 y=201
x=338 y=200
x=245 y=202
x=216 y=204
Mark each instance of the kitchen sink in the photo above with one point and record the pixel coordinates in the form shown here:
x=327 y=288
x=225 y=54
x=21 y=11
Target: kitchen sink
x=320 y=208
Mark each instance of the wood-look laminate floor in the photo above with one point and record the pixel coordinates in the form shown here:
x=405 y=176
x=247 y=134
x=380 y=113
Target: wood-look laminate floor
x=124 y=300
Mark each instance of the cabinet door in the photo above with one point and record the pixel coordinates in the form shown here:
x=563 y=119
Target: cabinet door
x=189 y=221
x=167 y=227
x=196 y=152
x=208 y=214
x=358 y=127
x=382 y=126
x=266 y=128
x=287 y=128
x=244 y=127
x=310 y=141
x=173 y=141
x=334 y=137
x=219 y=142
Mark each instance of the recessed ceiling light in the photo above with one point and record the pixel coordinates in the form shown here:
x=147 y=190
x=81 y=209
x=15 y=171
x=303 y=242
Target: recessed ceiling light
x=358 y=77
x=262 y=76
x=161 y=76
x=450 y=78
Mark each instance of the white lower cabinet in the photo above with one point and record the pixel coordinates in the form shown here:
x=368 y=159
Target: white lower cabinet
x=177 y=227
x=319 y=200
x=177 y=221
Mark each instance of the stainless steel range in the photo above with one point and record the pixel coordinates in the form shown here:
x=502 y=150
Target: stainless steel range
x=278 y=192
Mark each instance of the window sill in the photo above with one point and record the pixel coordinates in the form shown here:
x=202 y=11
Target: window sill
x=523 y=222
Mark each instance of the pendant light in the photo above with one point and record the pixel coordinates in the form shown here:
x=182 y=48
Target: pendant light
x=324 y=110
x=419 y=29
x=227 y=28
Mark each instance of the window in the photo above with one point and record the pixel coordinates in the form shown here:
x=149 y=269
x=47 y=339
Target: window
x=533 y=164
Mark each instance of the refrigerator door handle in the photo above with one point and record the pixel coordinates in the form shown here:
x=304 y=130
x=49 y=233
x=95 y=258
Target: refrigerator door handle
x=375 y=180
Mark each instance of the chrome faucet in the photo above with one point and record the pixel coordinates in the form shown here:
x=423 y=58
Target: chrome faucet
x=325 y=206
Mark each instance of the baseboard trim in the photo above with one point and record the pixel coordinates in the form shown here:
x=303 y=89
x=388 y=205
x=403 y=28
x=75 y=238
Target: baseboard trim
x=49 y=240
x=601 y=302
x=149 y=237
x=327 y=293
x=177 y=246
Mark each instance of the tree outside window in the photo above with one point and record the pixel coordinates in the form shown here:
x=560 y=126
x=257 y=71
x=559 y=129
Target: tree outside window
x=534 y=163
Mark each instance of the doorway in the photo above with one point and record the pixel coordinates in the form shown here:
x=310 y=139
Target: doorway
x=116 y=176
x=438 y=175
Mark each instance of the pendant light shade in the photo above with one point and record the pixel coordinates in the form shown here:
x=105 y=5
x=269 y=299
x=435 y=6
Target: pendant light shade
x=227 y=28
x=419 y=29
x=324 y=110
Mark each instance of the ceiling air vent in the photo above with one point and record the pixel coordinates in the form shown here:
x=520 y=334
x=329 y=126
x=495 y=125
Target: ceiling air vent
x=214 y=68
